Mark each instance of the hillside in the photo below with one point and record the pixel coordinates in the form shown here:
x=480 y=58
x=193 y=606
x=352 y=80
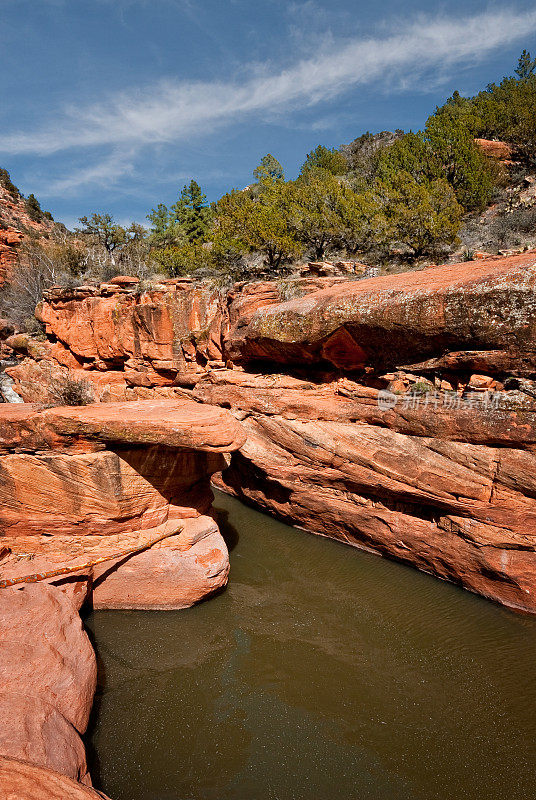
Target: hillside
x=20 y=218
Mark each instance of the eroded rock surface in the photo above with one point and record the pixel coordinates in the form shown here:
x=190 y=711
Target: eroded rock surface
x=130 y=344
x=23 y=781
x=439 y=495
x=385 y=322
x=48 y=676
x=81 y=483
x=78 y=485
x=438 y=476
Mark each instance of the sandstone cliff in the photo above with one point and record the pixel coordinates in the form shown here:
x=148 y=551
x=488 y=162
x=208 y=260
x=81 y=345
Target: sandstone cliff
x=377 y=411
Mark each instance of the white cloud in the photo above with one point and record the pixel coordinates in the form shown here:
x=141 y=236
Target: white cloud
x=108 y=170
x=175 y=110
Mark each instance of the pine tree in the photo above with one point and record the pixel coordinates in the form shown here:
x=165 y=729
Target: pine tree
x=525 y=66
x=191 y=212
x=160 y=218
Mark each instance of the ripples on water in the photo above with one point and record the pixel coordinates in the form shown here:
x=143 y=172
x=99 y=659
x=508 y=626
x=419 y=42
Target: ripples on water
x=322 y=673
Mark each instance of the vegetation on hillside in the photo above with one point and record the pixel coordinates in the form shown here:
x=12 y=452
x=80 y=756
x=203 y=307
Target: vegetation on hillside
x=390 y=195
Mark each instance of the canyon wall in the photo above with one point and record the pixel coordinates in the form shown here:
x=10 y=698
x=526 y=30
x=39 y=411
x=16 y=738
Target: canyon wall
x=380 y=412
x=131 y=342
x=439 y=477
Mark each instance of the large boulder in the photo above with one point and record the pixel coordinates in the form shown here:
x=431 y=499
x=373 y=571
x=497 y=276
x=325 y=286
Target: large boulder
x=396 y=320
x=48 y=675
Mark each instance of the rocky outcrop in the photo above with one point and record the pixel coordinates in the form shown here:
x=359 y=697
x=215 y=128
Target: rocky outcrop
x=24 y=781
x=485 y=309
x=379 y=412
x=446 y=490
x=431 y=463
x=132 y=344
x=78 y=483
x=10 y=239
x=15 y=222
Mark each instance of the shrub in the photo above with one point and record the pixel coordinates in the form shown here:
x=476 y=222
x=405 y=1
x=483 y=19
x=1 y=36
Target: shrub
x=183 y=260
x=70 y=391
x=8 y=185
x=420 y=388
x=36 y=272
x=34 y=209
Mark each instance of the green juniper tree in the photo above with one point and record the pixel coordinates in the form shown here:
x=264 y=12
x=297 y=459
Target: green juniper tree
x=269 y=168
x=321 y=157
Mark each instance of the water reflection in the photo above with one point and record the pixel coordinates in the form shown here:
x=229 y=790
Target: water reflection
x=321 y=672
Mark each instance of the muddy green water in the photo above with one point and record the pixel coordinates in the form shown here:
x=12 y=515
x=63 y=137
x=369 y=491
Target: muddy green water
x=322 y=673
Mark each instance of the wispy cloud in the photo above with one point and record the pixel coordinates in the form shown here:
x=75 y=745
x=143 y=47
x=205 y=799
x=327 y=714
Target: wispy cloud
x=176 y=110
x=108 y=170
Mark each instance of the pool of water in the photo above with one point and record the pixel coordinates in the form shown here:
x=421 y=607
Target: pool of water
x=321 y=673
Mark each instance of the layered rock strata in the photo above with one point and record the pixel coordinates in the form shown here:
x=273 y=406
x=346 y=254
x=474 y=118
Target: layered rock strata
x=128 y=343
x=436 y=474
x=482 y=313
x=440 y=477
x=78 y=483
x=444 y=489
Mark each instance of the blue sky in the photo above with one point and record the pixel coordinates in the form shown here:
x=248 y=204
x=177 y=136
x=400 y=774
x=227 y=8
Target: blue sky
x=112 y=105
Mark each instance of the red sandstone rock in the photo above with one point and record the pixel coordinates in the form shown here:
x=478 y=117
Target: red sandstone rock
x=421 y=481
x=22 y=781
x=125 y=342
x=346 y=401
x=481 y=382
x=33 y=730
x=86 y=489
x=465 y=513
x=68 y=498
x=103 y=492
x=180 y=423
x=502 y=151
x=392 y=320
x=178 y=573
x=44 y=651
x=83 y=483
x=443 y=487
x=150 y=326
x=124 y=280
x=14 y=213
x=10 y=239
